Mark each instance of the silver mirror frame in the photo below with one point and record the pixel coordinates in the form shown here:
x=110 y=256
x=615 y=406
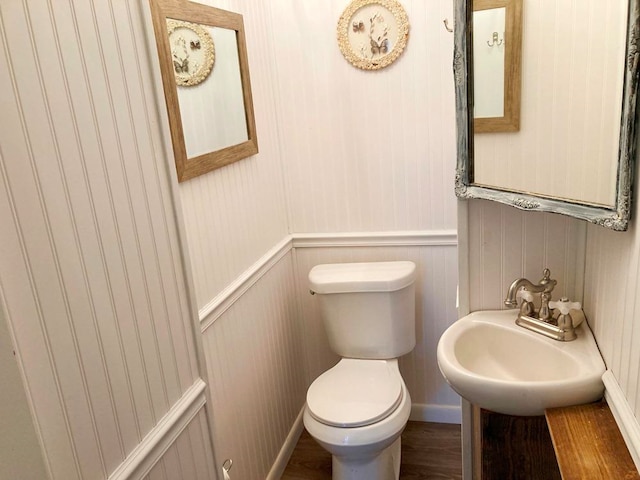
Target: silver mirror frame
x=616 y=218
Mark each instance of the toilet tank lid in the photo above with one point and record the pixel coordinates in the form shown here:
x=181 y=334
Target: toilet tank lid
x=361 y=277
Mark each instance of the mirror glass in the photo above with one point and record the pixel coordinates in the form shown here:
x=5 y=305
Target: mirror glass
x=497 y=51
x=489 y=62
x=212 y=112
x=205 y=75
x=573 y=151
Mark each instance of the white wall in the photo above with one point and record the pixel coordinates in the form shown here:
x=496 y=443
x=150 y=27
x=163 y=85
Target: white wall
x=235 y=214
x=341 y=150
x=20 y=455
x=612 y=284
x=366 y=151
x=256 y=370
x=504 y=244
x=91 y=273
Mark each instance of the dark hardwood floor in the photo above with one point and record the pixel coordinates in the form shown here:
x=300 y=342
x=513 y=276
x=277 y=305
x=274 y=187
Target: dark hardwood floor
x=430 y=451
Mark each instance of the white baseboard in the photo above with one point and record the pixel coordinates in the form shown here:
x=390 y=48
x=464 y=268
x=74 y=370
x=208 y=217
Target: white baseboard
x=626 y=420
x=421 y=412
x=287 y=449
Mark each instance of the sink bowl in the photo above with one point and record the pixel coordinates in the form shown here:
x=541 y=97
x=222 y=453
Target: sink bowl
x=502 y=367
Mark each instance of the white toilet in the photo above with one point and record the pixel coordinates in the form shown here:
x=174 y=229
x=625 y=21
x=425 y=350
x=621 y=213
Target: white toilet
x=358 y=409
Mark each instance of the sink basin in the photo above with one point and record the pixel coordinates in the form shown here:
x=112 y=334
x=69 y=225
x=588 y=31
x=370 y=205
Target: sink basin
x=502 y=367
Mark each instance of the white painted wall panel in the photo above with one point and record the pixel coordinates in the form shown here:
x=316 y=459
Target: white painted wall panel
x=365 y=151
x=256 y=371
x=506 y=244
x=190 y=457
x=320 y=122
x=435 y=310
x=20 y=455
x=612 y=287
x=352 y=151
x=90 y=267
x=235 y=214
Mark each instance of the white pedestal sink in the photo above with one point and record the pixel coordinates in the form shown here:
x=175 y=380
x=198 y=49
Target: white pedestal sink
x=499 y=366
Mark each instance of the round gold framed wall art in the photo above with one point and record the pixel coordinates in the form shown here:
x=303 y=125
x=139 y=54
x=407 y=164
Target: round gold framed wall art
x=192 y=52
x=373 y=33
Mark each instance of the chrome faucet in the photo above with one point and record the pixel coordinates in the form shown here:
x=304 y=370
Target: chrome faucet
x=544 y=288
x=542 y=321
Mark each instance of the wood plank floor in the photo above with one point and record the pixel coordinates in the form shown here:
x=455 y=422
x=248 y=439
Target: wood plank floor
x=430 y=451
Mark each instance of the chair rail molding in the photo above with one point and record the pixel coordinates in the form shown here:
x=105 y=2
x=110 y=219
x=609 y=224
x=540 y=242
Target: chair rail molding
x=153 y=446
x=227 y=297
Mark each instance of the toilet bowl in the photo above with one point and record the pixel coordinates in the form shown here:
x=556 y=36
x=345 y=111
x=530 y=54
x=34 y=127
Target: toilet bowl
x=357 y=414
x=358 y=409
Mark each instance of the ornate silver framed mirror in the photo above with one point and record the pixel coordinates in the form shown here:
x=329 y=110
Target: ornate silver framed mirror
x=575 y=150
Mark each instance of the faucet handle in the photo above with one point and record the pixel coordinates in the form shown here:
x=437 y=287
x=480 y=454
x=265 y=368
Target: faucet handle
x=526 y=307
x=565 y=306
x=547 y=281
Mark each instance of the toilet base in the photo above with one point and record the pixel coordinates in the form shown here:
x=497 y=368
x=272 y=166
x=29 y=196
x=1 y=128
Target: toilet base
x=383 y=466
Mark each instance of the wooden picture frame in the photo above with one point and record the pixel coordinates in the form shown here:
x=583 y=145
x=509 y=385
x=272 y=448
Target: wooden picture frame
x=188 y=167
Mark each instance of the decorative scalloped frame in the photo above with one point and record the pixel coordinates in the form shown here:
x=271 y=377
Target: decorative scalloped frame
x=345 y=23
x=208 y=52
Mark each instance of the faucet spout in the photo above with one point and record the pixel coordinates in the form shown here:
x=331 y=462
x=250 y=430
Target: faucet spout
x=546 y=285
x=511 y=301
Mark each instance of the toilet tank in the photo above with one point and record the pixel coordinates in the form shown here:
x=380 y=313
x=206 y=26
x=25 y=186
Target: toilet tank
x=368 y=309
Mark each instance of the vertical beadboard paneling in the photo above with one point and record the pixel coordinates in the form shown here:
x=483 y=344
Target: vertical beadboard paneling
x=365 y=151
x=20 y=455
x=90 y=270
x=255 y=363
x=435 y=311
x=506 y=244
x=189 y=457
x=235 y=214
x=612 y=288
x=572 y=79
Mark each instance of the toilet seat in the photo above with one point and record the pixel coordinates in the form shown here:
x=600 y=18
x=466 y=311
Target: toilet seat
x=355 y=393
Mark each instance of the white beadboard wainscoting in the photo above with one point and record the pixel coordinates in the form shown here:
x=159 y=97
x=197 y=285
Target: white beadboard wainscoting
x=498 y=244
x=265 y=343
x=612 y=289
x=503 y=244
x=625 y=417
x=235 y=214
x=92 y=280
x=185 y=458
x=171 y=433
x=255 y=357
x=341 y=150
x=435 y=255
x=365 y=151
x=322 y=166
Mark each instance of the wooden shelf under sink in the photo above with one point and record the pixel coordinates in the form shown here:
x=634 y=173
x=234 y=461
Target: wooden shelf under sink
x=588 y=443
